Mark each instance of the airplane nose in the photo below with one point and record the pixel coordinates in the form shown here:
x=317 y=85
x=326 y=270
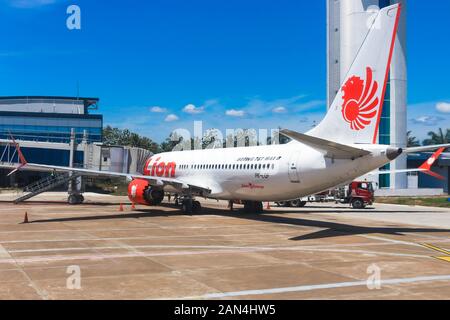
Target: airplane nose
x=393 y=153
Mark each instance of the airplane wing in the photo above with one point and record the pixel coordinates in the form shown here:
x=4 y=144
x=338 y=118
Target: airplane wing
x=332 y=149
x=154 y=181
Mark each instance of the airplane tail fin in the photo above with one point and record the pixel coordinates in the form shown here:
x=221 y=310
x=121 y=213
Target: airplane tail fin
x=355 y=113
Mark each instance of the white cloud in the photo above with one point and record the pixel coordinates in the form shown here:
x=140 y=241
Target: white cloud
x=443 y=107
x=428 y=120
x=279 y=110
x=157 y=109
x=235 y=113
x=27 y=4
x=171 y=118
x=260 y=108
x=191 y=109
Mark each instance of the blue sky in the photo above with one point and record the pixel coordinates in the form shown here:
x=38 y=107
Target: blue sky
x=159 y=65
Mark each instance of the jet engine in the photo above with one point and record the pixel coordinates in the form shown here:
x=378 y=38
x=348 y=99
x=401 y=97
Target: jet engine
x=139 y=191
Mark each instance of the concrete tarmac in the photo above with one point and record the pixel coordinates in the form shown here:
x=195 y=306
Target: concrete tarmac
x=328 y=251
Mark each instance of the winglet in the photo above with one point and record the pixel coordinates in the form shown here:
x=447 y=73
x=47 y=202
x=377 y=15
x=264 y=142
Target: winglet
x=426 y=166
x=23 y=161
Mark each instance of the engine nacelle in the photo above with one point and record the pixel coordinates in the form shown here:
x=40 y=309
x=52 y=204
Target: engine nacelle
x=140 y=192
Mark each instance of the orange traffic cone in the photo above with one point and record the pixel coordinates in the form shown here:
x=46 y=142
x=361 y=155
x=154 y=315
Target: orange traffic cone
x=268 y=206
x=121 y=207
x=25 y=219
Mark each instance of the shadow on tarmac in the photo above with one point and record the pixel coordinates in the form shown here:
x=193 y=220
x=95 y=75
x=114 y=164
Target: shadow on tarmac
x=329 y=229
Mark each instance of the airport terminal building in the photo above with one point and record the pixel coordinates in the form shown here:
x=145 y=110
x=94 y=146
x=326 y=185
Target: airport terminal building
x=49 y=119
x=56 y=130
x=46 y=124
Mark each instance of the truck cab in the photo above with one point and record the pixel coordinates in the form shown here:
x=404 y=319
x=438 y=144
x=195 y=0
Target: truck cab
x=360 y=194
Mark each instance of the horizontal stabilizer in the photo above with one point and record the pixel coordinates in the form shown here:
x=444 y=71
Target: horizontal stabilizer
x=424 y=168
x=332 y=149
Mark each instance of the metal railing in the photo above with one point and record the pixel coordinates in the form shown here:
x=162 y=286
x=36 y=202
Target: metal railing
x=44 y=185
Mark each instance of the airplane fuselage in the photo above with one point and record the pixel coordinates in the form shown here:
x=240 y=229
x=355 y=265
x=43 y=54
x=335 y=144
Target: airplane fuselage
x=264 y=173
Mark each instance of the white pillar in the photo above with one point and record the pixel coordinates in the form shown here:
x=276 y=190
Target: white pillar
x=347 y=24
x=399 y=101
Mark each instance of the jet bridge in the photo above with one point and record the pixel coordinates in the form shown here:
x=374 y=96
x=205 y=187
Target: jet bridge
x=95 y=156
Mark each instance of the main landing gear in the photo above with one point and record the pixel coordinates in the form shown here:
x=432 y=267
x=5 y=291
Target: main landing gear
x=189 y=206
x=253 y=207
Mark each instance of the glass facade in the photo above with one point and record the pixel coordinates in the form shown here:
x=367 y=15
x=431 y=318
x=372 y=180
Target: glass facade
x=50 y=127
x=385 y=3
x=385 y=133
x=48 y=156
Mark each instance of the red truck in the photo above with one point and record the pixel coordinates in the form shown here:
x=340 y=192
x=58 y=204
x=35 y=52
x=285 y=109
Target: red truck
x=358 y=193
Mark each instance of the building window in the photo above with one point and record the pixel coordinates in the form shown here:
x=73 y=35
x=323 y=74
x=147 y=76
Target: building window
x=385 y=132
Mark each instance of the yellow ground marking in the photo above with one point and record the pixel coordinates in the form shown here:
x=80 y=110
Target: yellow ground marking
x=429 y=246
x=444 y=258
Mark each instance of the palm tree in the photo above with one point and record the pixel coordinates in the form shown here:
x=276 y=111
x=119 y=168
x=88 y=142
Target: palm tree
x=412 y=140
x=437 y=137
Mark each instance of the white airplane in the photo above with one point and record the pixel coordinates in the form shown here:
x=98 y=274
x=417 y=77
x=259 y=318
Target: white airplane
x=341 y=148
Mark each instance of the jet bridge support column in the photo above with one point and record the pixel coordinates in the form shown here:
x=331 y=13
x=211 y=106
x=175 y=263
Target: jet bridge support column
x=75 y=185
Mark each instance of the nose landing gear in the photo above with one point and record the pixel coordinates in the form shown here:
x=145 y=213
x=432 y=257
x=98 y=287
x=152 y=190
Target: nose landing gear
x=75 y=199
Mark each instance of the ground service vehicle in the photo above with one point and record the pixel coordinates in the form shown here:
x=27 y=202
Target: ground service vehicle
x=358 y=194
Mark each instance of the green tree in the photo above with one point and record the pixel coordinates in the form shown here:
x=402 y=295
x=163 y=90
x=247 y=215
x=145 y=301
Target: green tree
x=171 y=142
x=437 y=137
x=412 y=140
x=115 y=136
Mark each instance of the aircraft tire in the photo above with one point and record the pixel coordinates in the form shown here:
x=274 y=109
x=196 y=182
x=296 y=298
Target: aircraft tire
x=187 y=206
x=253 y=207
x=73 y=199
x=196 y=207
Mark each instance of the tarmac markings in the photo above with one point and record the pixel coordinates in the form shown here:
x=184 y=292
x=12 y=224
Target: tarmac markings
x=4 y=253
x=225 y=295
x=178 y=251
x=437 y=249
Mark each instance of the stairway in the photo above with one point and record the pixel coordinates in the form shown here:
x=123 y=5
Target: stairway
x=44 y=185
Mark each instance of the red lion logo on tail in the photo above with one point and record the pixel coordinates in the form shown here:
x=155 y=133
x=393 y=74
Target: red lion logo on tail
x=360 y=102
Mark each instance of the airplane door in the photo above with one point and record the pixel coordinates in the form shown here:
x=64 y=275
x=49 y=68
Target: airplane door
x=294 y=175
